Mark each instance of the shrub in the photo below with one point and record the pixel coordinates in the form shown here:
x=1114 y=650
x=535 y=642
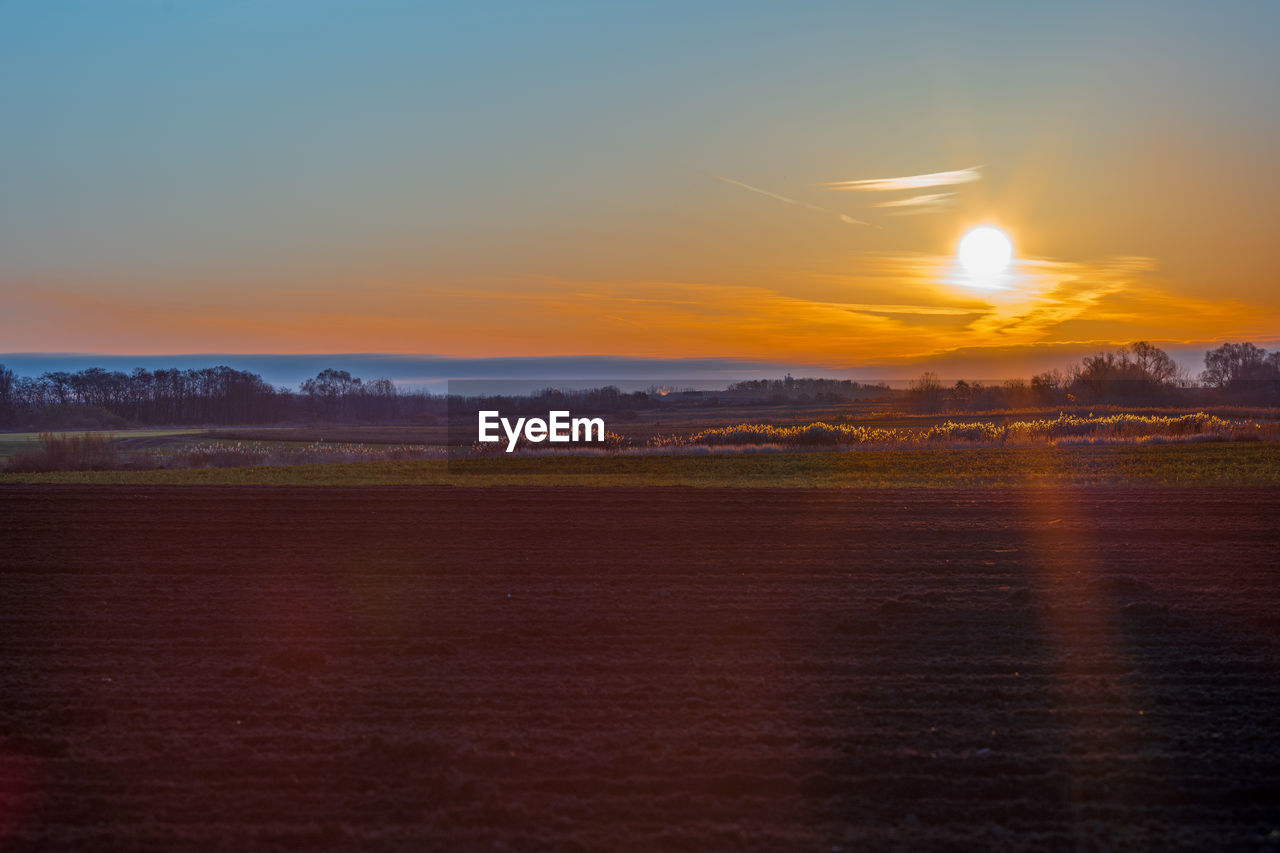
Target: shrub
x=90 y=451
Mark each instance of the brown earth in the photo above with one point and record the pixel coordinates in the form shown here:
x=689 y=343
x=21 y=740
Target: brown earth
x=442 y=668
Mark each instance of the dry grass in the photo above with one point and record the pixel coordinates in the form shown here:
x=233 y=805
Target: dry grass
x=1118 y=428
x=89 y=451
x=239 y=454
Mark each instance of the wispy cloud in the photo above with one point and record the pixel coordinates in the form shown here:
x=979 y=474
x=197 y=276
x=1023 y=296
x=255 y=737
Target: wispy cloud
x=910 y=182
x=754 y=189
x=918 y=204
x=843 y=217
x=1041 y=302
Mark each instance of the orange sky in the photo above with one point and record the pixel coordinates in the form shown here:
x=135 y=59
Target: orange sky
x=350 y=191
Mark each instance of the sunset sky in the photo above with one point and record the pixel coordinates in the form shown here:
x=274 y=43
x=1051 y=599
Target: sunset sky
x=637 y=179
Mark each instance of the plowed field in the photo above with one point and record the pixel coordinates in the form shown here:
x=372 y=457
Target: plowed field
x=557 y=668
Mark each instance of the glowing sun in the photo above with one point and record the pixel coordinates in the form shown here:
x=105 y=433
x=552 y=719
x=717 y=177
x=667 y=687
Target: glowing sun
x=985 y=252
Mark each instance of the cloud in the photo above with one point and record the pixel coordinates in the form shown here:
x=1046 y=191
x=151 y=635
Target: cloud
x=754 y=189
x=917 y=204
x=845 y=218
x=1040 y=302
x=910 y=182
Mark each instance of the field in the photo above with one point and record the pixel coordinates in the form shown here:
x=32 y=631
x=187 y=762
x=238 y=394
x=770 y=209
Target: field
x=685 y=420
x=639 y=668
x=369 y=455
x=1215 y=463
x=13 y=442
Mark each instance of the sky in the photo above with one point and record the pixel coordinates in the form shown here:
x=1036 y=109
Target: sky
x=638 y=180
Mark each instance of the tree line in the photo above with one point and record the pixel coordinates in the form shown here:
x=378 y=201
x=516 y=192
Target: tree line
x=98 y=398
x=1140 y=373
x=817 y=390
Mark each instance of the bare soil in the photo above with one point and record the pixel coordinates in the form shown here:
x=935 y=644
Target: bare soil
x=554 y=668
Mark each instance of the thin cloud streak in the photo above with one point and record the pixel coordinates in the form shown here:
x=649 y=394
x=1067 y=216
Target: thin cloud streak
x=843 y=217
x=909 y=182
x=754 y=189
x=930 y=200
x=918 y=204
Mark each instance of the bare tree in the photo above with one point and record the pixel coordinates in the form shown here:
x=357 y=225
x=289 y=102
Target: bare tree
x=926 y=393
x=1140 y=370
x=8 y=393
x=1233 y=363
x=1153 y=364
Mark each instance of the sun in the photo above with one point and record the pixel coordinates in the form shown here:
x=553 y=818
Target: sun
x=985 y=252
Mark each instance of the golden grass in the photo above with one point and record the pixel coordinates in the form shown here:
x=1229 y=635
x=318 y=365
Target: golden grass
x=1116 y=427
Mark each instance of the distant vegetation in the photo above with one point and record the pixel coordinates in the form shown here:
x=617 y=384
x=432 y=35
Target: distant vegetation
x=1138 y=374
x=103 y=399
x=816 y=390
